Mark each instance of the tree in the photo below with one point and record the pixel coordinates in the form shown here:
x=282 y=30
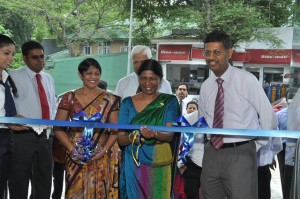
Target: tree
x=297 y=14
x=18 y=61
x=74 y=22
x=277 y=13
x=244 y=23
x=4 y=31
x=22 y=30
x=240 y=18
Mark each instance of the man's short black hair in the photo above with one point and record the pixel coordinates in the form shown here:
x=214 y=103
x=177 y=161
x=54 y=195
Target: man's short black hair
x=192 y=102
x=30 y=45
x=187 y=87
x=219 y=36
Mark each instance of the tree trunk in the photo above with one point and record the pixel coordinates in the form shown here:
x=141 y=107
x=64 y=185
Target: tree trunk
x=73 y=49
x=208 y=14
x=297 y=14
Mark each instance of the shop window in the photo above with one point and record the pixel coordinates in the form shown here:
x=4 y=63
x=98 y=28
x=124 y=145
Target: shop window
x=273 y=75
x=192 y=75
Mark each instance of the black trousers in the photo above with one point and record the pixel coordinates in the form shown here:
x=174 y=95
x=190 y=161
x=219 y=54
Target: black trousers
x=191 y=177
x=7 y=145
x=264 y=180
x=288 y=176
x=58 y=179
x=32 y=158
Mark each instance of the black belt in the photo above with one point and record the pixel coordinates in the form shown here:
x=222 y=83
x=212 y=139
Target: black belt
x=30 y=130
x=233 y=144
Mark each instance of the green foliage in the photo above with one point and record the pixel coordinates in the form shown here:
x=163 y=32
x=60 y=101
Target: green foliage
x=4 y=31
x=296 y=18
x=277 y=13
x=241 y=26
x=20 y=28
x=77 y=22
x=240 y=18
x=72 y=21
x=18 y=61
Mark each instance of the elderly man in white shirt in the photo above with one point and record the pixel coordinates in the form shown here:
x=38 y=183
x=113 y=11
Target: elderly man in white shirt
x=128 y=86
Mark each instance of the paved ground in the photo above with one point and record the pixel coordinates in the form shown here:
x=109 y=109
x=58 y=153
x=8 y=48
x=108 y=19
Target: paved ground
x=275 y=185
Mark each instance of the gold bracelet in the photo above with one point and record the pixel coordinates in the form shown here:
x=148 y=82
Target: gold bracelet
x=130 y=139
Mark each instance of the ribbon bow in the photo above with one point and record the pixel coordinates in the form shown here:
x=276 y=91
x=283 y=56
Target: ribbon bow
x=188 y=138
x=85 y=148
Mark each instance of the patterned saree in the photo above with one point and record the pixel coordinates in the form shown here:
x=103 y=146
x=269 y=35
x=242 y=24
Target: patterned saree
x=93 y=180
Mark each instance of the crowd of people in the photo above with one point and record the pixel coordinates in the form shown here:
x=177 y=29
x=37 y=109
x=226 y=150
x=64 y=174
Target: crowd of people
x=137 y=163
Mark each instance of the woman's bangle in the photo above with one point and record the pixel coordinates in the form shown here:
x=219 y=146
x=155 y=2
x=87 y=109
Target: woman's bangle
x=155 y=133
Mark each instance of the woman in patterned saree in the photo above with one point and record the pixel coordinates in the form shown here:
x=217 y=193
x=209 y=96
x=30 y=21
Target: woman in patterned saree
x=89 y=177
x=148 y=157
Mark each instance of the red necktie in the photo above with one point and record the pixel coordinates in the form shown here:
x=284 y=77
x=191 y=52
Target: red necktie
x=43 y=98
x=217 y=140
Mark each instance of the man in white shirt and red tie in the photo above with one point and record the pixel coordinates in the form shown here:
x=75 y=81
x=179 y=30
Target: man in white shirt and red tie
x=231 y=98
x=36 y=99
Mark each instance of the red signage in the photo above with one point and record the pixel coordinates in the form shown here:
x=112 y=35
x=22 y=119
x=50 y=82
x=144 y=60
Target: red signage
x=240 y=56
x=260 y=56
x=252 y=56
x=296 y=55
x=174 y=52
x=197 y=53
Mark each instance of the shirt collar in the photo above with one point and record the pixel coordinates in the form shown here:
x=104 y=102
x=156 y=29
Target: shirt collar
x=4 y=75
x=226 y=75
x=31 y=73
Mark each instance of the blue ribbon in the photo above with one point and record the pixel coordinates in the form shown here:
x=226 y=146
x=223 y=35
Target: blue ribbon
x=84 y=147
x=188 y=138
x=88 y=130
x=242 y=132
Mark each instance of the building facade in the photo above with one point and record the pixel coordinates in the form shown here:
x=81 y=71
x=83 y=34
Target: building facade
x=183 y=61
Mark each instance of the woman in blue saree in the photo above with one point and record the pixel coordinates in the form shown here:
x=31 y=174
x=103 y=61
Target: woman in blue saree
x=146 y=168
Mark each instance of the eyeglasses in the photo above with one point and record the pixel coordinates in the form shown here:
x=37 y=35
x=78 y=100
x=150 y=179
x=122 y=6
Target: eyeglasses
x=36 y=57
x=207 y=53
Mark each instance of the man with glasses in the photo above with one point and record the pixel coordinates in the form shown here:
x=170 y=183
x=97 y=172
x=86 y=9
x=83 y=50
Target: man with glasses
x=234 y=99
x=36 y=99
